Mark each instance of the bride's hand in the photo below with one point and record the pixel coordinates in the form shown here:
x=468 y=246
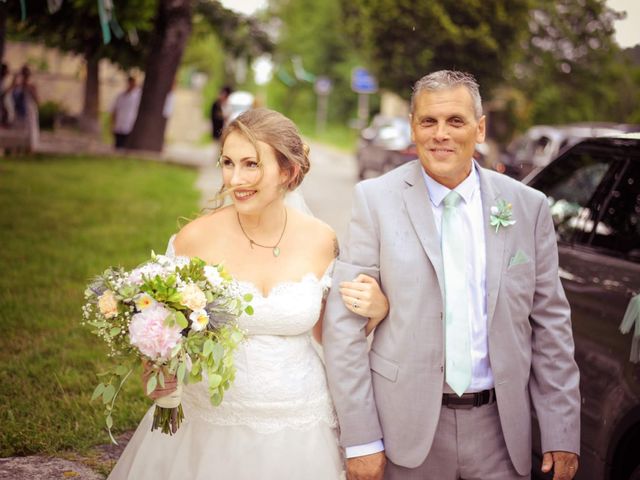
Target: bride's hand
x=170 y=382
x=364 y=297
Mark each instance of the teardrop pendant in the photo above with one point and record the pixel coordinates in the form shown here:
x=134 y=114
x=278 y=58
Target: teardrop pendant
x=276 y=251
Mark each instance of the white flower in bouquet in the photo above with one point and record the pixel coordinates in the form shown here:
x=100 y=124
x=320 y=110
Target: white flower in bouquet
x=213 y=276
x=144 y=301
x=199 y=320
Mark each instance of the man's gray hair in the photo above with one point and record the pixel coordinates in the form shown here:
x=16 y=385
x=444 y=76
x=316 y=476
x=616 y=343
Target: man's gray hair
x=446 y=79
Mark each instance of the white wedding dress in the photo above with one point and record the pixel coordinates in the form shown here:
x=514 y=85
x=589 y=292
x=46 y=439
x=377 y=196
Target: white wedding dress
x=277 y=419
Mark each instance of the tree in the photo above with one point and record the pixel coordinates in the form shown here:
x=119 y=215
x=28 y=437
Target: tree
x=405 y=39
x=75 y=27
x=311 y=42
x=571 y=69
x=171 y=32
x=220 y=38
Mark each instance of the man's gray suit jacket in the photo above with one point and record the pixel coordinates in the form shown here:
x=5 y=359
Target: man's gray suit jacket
x=394 y=391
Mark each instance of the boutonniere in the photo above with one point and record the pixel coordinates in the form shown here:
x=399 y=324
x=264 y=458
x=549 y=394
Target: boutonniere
x=501 y=215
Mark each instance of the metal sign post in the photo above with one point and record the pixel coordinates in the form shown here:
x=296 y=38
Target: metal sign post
x=322 y=87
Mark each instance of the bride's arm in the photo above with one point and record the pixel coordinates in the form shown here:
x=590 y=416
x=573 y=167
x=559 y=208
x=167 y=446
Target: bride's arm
x=335 y=250
x=364 y=297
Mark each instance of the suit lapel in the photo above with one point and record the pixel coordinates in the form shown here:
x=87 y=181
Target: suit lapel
x=494 y=243
x=416 y=200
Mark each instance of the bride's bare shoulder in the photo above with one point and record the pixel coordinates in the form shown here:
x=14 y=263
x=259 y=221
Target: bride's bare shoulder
x=201 y=231
x=316 y=234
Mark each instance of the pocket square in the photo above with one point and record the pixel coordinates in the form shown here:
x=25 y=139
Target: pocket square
x=519 y=258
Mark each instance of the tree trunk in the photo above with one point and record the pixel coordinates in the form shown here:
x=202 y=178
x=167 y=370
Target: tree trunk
x=3 y=29
x=89 y=120
x=172 y=30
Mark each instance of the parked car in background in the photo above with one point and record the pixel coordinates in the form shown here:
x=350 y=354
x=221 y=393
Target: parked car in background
x=384 y=145
x=542 y=143
x=593 y=190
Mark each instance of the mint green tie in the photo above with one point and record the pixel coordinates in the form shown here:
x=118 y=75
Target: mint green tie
x=457 y=337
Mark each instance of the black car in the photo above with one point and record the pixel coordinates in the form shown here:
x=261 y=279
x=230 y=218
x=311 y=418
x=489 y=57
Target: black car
x=594 y=194
x=542 y=143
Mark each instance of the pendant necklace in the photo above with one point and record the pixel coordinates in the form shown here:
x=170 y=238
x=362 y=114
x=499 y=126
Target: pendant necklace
x=275 y=249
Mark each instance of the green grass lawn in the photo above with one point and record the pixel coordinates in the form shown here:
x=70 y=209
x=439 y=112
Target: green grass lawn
x=63 y=220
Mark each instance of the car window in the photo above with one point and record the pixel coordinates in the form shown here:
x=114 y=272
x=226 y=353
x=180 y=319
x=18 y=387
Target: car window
x=618 y=230
x=569 y=183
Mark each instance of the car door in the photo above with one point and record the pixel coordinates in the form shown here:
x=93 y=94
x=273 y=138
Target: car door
x=593 y=195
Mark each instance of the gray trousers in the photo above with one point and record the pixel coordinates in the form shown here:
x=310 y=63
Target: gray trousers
x=468 y=445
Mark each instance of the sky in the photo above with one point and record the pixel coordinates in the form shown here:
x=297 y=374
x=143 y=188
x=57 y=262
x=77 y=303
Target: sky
x=627 y=30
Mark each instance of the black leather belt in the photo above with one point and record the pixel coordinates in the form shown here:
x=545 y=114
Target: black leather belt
x=469 y=400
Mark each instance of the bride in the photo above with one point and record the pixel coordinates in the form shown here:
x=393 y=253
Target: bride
x=277 y=419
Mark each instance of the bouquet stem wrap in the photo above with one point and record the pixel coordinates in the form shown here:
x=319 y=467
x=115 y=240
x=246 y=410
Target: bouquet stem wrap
x=168 y=414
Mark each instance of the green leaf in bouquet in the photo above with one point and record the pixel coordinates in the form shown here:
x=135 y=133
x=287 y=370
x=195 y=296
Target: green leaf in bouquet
x=216 y=398
x=152 y=384
x=248 y=297
x=161 y=378
x=182 y=373
x=181 y=320
x=236 y=336
x=174 y=297
x=217 y=352
x=114 y=331
x=108 y=393
x=208 y=347
x=121 y=370
x=214 y=380
x=248 y=310
x=209 y=295
x=98 y=391
x=174 y=351
x=127 y=292
x=170 y=281
x=109 y=421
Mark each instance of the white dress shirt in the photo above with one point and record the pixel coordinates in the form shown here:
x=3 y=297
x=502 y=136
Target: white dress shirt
x=473 y=219
x=125 y=109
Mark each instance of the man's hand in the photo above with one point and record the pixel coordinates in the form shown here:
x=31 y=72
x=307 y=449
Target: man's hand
x=366 y=467
x=564 y=464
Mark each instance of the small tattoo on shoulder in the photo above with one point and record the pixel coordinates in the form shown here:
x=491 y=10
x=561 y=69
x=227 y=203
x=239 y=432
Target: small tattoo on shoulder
x=336 y=247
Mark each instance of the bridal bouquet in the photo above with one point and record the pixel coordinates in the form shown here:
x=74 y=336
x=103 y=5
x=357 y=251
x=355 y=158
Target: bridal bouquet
x=177 y=315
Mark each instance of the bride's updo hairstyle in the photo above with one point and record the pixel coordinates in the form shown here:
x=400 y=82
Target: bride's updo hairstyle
x=276 y=130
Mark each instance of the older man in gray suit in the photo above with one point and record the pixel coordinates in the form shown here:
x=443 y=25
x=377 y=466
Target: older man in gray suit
x=478 y=330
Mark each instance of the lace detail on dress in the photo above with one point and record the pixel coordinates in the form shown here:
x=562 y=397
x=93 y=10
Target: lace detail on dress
x=280 y=380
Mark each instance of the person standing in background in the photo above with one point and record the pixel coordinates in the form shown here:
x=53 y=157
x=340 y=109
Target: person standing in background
x=218 y=114
x=124 y=112
x=24 y=97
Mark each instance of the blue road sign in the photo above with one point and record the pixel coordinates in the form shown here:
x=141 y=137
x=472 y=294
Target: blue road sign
x=362 y=81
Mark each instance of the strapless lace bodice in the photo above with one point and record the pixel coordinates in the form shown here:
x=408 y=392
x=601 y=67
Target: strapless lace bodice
x=280 y=380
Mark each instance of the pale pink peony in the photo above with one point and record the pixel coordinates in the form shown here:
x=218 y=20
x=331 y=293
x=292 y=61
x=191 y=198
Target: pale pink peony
x=151 y=336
